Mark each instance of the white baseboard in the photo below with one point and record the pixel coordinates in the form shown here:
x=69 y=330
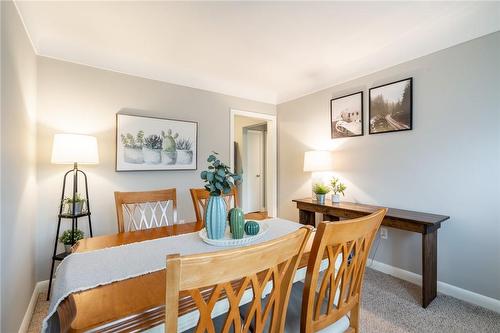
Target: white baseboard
x=442 y=287
x=39 y=287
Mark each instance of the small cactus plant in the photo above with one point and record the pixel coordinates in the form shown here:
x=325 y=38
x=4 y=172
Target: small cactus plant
x=169 y=141
x=252 y=228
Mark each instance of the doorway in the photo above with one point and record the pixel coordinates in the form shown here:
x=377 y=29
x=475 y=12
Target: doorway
x=253 y=156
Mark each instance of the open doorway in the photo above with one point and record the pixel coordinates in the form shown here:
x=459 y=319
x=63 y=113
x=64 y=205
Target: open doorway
x=253 y=155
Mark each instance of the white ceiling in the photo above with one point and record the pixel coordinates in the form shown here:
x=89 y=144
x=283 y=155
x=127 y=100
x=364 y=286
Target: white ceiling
x=267 y=51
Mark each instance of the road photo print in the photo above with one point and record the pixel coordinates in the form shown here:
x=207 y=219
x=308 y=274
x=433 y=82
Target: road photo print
x=346 y=115
x=390 y=107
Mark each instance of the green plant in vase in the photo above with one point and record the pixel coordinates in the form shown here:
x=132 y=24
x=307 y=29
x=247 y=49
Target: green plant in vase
x=320 y=190
x=69 y=239
x=218 y=181
x=337 y=189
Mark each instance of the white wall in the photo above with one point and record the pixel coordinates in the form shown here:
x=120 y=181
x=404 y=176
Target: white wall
x=18 y=171
x=81 y=99
x=448 y=164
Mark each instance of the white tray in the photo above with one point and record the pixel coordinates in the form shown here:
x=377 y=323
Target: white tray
x=228 y=241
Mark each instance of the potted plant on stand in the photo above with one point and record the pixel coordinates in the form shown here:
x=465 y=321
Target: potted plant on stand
x=69 y=239
x=78 y=202
x=219 y=181
x=337 y=187
x=320 y=190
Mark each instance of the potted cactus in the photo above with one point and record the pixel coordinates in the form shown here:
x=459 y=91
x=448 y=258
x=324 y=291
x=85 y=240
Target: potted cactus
x=169 y=152
x=152 y=149
x=132 y=147
x=337 y=187
x=78 y=202
x=320 y=190
x=219 y=180
x=184 y=151
x=69 y=239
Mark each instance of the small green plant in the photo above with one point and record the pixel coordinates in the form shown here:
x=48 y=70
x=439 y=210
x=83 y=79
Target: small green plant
x=129 y=141
x=337 y=186
x=320 y=188
x=66 y=238
x=78 y=198
x=219 y=180
x=184 y=144
x=153 y=142
x=169 y=140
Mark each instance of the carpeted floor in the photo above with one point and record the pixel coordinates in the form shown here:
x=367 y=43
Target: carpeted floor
x=391 y=305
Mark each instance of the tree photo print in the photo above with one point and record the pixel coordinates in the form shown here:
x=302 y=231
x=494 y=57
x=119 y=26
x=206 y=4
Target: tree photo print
x=391 y=107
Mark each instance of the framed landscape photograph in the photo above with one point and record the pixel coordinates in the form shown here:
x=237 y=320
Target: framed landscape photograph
x=149 y=143
x=390 y=108
x=346 y=115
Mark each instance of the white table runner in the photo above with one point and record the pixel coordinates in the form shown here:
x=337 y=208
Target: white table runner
x=87 y=270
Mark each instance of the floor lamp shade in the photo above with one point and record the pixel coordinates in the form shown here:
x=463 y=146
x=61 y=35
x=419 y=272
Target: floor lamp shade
x=74 y=148
x=318 y=160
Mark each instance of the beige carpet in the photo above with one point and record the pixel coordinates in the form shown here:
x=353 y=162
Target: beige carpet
x=391 y=305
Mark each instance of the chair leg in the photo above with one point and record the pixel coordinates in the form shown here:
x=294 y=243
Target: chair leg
x=354 y=319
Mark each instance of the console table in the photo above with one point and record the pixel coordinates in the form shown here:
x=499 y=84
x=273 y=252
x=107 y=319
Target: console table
x=424 y=223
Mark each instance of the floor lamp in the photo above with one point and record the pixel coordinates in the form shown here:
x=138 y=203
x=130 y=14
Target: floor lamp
x=72 y=149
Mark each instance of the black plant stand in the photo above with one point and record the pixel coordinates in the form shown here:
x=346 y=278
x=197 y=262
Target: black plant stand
x=72 y=216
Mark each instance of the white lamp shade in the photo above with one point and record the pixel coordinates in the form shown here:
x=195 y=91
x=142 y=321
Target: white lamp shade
x=71 y=148
x=318 y=160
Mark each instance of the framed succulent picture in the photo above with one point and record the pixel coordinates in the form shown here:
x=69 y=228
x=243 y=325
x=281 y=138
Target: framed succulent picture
x=151 y=143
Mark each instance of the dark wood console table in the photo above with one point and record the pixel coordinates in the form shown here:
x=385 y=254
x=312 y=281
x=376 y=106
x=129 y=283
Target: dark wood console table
x=423 y=223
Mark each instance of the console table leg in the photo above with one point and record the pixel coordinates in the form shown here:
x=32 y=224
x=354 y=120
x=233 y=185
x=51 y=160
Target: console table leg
x=307 y=217
x=429 y=267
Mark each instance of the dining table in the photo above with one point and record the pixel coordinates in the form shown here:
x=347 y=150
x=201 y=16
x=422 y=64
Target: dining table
x=133 y=304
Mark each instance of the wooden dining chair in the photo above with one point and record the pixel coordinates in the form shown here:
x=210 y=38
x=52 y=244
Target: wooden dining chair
x=200 y=198
x=328 y=297
x=145 y=210
x=266 y=269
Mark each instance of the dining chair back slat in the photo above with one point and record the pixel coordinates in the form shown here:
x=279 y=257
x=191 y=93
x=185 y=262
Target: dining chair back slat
x=266 y=269
x=200 y=198
x=331 y=295
x=145 y=210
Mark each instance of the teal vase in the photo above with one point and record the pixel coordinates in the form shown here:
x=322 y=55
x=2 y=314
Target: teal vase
x=237 y=223
x=252 y=228
x=215 y=217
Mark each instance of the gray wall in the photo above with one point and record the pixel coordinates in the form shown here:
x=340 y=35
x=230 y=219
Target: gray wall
x=81 y=99
x=18 y=187
x=449 y=163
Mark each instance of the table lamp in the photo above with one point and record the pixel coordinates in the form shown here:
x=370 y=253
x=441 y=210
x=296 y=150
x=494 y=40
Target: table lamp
x=72 y=149
x=317 y=161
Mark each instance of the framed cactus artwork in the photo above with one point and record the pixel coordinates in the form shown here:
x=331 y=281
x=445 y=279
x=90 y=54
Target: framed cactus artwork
x=151 y=143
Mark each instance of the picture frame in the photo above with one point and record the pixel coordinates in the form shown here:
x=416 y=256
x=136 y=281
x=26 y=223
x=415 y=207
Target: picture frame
x=390 y=107
x=346 y=116
x=147 y=143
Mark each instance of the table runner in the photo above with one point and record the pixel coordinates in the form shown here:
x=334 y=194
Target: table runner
x=87 y=270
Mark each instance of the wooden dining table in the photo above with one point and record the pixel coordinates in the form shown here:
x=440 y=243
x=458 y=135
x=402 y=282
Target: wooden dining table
x=128 y=305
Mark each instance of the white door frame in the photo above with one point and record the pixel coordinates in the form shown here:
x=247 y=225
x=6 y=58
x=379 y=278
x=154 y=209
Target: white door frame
x=271 y=158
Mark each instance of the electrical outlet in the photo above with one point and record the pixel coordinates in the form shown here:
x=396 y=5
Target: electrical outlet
x=383 y=233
